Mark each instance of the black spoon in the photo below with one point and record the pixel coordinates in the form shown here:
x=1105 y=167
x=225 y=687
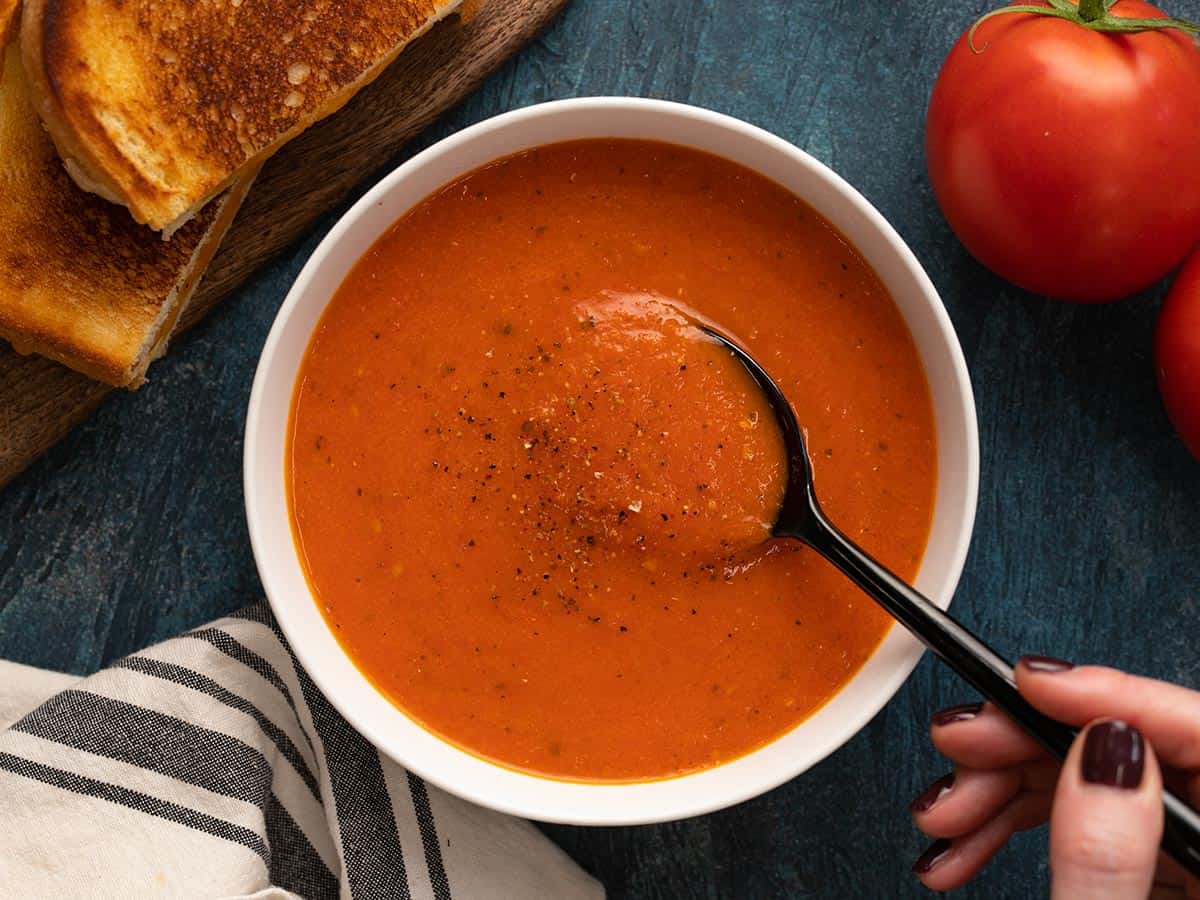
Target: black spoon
x=801 y=519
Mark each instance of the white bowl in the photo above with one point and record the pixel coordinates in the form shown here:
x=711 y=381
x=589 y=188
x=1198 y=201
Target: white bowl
x=266 y=435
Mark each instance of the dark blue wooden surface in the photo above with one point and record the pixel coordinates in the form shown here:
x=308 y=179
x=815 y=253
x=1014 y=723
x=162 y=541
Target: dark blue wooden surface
x=1088 y=537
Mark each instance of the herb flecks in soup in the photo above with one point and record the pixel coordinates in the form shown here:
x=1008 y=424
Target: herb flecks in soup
x=626 y=427
x=534 y=502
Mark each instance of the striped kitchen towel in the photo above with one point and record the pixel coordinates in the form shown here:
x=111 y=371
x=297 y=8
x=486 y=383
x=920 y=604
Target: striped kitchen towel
x=210 y=766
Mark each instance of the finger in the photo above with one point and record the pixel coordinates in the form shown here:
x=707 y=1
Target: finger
x=947 y=864
x=1168 y=715
x=966 y=799
x=982 y=737
x=1106 y=823
x=958 y=803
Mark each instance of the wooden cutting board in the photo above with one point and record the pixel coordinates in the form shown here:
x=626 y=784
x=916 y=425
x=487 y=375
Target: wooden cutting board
x=40 y=401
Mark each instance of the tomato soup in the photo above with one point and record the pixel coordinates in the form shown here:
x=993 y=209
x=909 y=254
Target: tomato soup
x=534 y=501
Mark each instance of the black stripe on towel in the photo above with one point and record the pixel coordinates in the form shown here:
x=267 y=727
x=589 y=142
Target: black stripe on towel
x=137 y=801
x=235 y=651
x=295 y=865
x=197 y=681
x=247 y=657
x=370 y=841
x=151 y=740
x=429 y=838
x=239 y=652
x=371 y=851
x=260 y=613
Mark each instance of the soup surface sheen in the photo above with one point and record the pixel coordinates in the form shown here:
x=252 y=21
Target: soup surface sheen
x=533 y=501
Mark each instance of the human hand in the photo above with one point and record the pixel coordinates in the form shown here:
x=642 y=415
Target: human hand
x=1103 y=802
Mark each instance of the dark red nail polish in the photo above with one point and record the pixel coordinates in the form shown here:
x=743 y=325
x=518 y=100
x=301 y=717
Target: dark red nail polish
x=931 y=795
x=1045 y=665
x=933 y=855
x=1113 y=755
x=957 y=714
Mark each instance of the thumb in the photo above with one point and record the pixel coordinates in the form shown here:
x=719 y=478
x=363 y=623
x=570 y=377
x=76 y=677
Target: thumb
x=1106 y=823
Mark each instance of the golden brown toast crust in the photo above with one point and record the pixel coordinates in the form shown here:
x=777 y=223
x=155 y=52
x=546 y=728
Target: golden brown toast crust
x=160 y=104
x=9 y=19
x=80 y=281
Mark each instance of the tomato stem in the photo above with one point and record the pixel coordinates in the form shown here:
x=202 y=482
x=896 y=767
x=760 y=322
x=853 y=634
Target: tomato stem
x=1094 y=14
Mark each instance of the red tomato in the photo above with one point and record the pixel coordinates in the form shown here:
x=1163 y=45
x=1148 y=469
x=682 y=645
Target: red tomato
x=1068 y=160
x=1177 y=354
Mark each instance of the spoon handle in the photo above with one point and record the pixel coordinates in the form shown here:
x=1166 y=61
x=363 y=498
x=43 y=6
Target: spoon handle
x=980 y=665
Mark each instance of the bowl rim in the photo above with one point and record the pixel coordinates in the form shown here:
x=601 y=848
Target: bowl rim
x=573 y=809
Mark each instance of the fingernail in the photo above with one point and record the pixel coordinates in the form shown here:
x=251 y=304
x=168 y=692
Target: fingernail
x=927 y=798
x=1045 y=665
x=1114 y=755
x=933 y=855
x=957 y=714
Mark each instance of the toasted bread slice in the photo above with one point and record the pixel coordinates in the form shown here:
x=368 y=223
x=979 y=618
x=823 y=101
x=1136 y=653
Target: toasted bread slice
x=80 y=281
x=9 y=18
x=161 y=104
